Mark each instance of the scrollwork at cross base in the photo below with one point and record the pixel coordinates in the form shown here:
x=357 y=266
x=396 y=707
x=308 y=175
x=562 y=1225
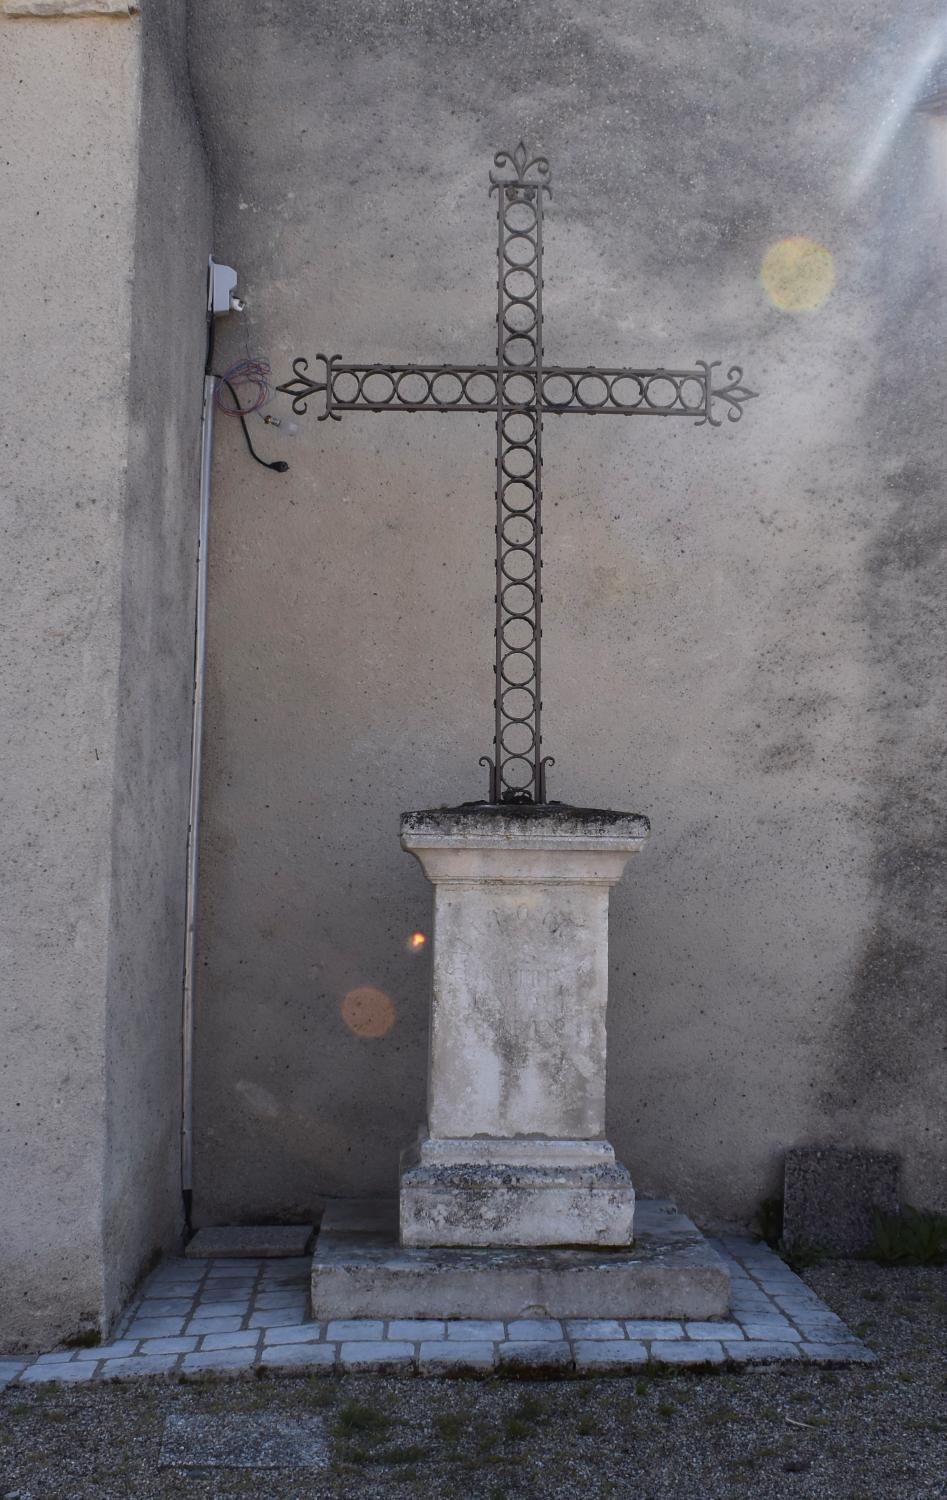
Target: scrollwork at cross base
x=520 y=389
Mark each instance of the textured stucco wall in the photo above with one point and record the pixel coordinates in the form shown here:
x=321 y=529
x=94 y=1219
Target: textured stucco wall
x=98 y=526
x=142 y=1198
x=743 y=628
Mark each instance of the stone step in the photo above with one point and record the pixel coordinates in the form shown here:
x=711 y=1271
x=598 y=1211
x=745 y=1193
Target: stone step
x=359 y=1270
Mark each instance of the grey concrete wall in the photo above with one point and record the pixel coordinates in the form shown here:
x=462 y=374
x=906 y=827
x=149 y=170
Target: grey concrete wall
x=173 y=237
x=743 y=628
x=99 y=514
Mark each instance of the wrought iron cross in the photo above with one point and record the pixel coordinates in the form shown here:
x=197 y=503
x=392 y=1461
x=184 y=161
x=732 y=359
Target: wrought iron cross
x=520 y=389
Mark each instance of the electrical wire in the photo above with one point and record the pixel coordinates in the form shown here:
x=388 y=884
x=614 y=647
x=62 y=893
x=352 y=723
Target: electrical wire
x=280 y=466
x=244 y=373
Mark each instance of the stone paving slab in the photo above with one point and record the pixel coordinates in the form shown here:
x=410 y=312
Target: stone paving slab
x=250 y=1242
x=774 y=1318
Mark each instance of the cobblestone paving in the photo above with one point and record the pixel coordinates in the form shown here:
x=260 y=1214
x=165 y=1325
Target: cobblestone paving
x=232 y=1316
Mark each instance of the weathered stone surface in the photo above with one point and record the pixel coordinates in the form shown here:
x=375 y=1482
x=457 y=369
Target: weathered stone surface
x=760 y=1351
x=670 y=1272
x=608 y=1356
x=520 y=977
x=522 y=1357
x=551 y=820
x=499 y=1204
x=69 y=7
x=257 y=1241
x=447 y=1357
x=831 y=1195
x=516 y=1153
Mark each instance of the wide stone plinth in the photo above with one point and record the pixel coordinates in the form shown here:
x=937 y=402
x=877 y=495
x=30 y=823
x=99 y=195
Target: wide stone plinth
x=359 y=1270
x=513 y=1151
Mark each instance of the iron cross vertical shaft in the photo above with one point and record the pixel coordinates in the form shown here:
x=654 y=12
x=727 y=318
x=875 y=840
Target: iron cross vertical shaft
x=519 y=389
x=517 y=766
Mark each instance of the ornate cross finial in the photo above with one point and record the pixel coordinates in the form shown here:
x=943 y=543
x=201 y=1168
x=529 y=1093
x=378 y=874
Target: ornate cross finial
x=518 y=169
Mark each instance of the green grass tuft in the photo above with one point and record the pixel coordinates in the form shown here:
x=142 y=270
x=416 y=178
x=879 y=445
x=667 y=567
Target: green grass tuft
x=357 y=1417
x=909 y=1238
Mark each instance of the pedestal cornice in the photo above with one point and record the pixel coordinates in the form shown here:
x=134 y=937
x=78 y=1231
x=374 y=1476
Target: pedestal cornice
x=549 y=844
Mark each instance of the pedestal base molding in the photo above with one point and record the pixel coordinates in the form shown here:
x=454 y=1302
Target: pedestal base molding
x=515 y=1192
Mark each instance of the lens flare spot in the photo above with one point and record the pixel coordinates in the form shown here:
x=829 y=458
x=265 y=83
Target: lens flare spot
x=416 y=942
x=368 y=1012
x=797 y=273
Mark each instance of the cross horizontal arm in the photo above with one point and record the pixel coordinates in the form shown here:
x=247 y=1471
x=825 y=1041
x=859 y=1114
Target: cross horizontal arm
x=586 y=390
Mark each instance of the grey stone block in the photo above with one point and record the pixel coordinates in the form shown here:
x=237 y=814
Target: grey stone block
x=532 y=1330
x=235 y=1307
x=286 y=1298
x=37 y=1374
x=644 y=1328
x=520 y=1356
x=255 y=1241
x=278 y=1317
x=276 y=1271
x=164 y=1307
x=713 y=1330
x=297 y=1356
x=242 y=1338
x=816 y=1314
x=757 y=1302
x=219 y=1359
x=138 y=1364
x=670 y=1271
x=831 y=1195
x=450 y=1356
x=760 y=1351
x=200 y=1324
x=304 y=1333
x=772 y=1329
x=599 y=1356
x=840 y=1353
x=505 y=1204
x=175 y=1268
x=472 y=1329
x=700 y=1352
x=116 y=1350
x=416 y=1329
x=182 y=1345
x=154 y=1328
x=594 y=1328
x=376 y=1356
x=175 y=1274
x=800 y=1307
x=348 y=1329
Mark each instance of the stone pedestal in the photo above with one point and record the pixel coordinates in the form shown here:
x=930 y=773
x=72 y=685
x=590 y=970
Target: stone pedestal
x=514 y=1151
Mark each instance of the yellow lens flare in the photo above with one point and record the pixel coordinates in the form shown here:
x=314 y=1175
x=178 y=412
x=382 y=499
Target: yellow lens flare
x=797 y=273
x=368 y=1012
x=416 y=942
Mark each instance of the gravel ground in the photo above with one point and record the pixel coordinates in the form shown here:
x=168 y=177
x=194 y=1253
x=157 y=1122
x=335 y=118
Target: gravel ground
x=848 y=1434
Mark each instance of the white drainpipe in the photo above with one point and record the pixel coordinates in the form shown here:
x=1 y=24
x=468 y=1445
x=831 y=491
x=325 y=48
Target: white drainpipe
x=221 y=283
